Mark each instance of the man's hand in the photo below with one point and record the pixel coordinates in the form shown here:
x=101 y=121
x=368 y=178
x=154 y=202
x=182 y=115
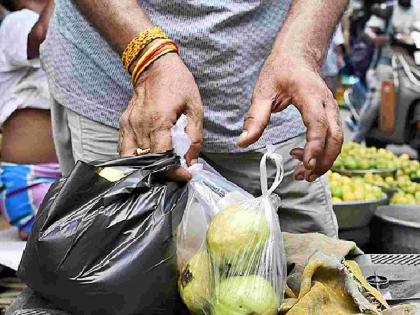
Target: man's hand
x=165 y=91
x=290 y=76
x=284 y=81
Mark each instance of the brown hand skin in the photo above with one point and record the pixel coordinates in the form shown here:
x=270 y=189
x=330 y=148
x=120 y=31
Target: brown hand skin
x=290 y=75
x=284 y=81
x=164 y=91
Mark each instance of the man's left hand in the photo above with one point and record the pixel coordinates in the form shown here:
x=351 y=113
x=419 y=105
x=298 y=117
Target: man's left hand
x=286 y=80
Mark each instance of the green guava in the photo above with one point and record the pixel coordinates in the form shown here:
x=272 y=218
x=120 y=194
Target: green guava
x=195 y=283
x=245 y=296
x=236 y=237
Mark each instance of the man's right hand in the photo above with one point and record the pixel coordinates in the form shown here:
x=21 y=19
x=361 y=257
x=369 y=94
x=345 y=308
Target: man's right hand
x=163 y=92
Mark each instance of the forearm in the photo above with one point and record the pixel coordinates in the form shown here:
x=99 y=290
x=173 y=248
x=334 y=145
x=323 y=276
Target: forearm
x=308 y=29
x=39 y=31
x=117 y=21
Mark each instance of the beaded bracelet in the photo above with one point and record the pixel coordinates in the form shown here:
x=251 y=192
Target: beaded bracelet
x=134 y=48
x=150 y=56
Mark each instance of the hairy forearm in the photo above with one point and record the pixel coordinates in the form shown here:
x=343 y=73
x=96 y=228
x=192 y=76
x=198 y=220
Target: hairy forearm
x=308 y=28
x=117 y=21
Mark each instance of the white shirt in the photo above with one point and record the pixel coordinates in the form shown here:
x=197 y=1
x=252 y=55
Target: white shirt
x=23 y=83
x=403 y=19
x=330 y=66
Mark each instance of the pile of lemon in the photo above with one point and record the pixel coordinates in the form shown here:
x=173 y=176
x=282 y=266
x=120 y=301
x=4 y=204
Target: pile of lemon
x=355 y=156
x=408 y=192
x=344 y=188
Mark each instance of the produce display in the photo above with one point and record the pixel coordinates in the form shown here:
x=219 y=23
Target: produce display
x=355 y=156
x=344 y=188
x=408 y=167
x=408 y=192
x=365 y=186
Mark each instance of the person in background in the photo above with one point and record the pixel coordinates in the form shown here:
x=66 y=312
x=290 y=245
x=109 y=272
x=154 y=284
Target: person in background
x=28 y=159
x=334 y=61
x=3 y=13
x=391 y=20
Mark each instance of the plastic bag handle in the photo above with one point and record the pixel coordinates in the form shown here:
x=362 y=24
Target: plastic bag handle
x=278 y=160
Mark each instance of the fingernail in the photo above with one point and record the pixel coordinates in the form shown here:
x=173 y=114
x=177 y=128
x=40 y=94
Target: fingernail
x=299 y=177
x=243 y=136
x=312 y=163
x=312 y=177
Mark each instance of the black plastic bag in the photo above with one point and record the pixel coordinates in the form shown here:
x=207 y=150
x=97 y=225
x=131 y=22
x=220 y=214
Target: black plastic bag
x=106 y=246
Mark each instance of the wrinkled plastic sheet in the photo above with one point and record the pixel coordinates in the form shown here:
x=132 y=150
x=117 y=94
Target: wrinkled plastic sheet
x=102 y=247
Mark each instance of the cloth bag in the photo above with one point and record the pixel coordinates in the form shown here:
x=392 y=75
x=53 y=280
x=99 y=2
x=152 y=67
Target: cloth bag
x=103 y=240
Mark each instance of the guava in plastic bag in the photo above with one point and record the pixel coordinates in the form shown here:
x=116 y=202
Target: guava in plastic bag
x=229 y=245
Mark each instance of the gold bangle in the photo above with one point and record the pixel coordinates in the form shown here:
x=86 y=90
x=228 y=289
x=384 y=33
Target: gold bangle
x=166 y=50
x=138 y=43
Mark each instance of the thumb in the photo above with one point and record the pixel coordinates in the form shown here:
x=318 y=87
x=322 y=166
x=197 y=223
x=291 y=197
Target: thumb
x=255 y=122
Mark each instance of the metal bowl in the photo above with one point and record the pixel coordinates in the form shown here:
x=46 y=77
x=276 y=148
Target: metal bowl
x=388 y=191
x=396 y=229
x=356 y=214
x=384 y=172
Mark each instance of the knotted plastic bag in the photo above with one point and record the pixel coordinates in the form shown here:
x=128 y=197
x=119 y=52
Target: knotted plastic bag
x=229 y=245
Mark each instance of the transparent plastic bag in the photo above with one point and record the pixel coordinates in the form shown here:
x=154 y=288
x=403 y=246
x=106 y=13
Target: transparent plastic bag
x=229 y=245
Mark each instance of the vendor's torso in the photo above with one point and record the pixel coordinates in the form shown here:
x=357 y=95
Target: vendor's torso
x=224 y=44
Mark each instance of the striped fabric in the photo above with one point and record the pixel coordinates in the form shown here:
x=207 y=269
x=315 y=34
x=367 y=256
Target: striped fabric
x=23 y=188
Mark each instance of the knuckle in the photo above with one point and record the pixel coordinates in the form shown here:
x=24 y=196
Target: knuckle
x=329 y=94
x=198 y=143
x=338 y=138
x=319 y=122
x=199 y=109
x=259 y=123
x=124 y=121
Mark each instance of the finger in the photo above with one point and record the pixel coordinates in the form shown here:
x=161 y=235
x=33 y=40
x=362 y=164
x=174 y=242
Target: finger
x=141 y=136
x=161 y=140
x=316 y=122
x=299 y=172
x=255 y=122
x=310 y=175
x=127 y=144
x=179 y=175
x=127 y=141
x=335 y=137
x=297 y=153
x=194 y=130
